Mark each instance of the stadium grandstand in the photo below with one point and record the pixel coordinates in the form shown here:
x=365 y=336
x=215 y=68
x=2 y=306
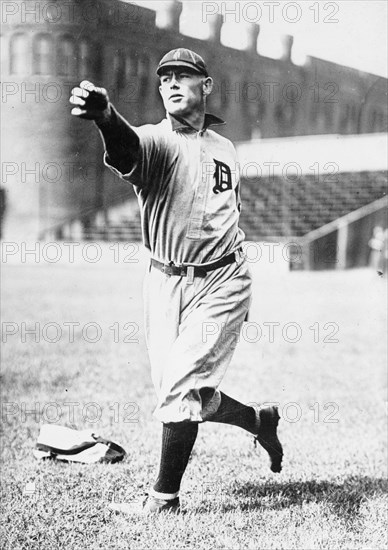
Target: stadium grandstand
x=328 y=194
x=293 y=191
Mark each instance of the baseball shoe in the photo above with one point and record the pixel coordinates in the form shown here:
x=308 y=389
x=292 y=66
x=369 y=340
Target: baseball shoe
x=267 y=421
x=151 y=505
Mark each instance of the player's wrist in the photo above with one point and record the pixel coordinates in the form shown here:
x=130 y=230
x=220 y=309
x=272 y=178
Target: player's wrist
x=105 y=119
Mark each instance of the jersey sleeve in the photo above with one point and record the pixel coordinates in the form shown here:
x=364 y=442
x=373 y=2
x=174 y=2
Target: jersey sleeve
x=149 y=159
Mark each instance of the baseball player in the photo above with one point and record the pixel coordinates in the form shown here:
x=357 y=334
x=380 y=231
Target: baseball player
x=197 y=287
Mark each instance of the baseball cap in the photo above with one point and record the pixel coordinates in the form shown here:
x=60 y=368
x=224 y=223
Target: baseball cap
x=182 y=57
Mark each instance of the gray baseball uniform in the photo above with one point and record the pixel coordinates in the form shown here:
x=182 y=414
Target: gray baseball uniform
x=187 y=184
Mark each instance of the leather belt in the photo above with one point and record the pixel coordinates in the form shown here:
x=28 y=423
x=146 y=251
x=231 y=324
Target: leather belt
x=195 y=270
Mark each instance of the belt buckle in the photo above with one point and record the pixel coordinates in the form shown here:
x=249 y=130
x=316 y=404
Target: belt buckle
x=166 y=270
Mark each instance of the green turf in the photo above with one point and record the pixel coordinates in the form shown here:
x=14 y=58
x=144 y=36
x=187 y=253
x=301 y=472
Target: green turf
x=332 y=491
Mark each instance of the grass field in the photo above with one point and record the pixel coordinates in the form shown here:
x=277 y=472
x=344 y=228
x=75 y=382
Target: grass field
x=329 y=381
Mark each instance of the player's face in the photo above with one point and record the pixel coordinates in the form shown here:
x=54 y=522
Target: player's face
x=183 y=91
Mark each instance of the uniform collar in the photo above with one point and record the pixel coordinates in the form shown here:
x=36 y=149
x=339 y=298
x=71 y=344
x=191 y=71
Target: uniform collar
x=178 y=123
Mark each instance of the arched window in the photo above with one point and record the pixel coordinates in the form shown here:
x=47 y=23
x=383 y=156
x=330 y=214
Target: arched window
x=143 y=68
x=132 y=82
x=383 y=127
x=353 y=118
x=85 y=61
x=376 y=120
x=19 y=54
x=143 y=72
x=261 y=110
x=371 y=120
x=66 y=57
x=289 y=113
x=131 y=67
x=284 y=115
x=279 y=113
x=344 y=119
x=317 y=117
x=348 y=119
x=329 y=116
x=313 y=113
x=119 y=70
x=42 y=54
x=225 y=93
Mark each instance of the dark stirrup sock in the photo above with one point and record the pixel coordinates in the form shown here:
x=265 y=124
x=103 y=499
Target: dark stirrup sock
x=233 y=412
x=177 y=443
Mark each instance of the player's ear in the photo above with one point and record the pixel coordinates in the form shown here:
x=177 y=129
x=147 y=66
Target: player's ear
x=207 y=86
x=161 y=92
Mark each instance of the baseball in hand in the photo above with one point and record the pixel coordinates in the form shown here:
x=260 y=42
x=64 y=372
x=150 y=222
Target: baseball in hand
x=91 y=102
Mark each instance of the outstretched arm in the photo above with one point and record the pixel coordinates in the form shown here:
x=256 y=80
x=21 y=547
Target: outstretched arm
x=120 y=139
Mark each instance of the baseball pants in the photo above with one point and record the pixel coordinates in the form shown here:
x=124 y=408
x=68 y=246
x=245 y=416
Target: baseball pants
x=191 y=332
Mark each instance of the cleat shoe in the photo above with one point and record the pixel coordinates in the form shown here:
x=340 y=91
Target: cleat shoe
x=151 y=505
x=154 y=505
x=267 y=420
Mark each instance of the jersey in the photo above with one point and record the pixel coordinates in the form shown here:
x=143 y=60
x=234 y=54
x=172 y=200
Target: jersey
x=187 y=184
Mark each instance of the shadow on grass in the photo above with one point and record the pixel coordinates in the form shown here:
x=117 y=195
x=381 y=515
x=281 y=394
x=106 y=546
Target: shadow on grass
x=342 y=498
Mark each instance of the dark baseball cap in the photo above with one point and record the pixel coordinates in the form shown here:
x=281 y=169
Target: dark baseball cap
x=182 y=57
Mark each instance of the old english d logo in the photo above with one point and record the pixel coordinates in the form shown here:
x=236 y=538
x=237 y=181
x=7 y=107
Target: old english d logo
x=223 y=177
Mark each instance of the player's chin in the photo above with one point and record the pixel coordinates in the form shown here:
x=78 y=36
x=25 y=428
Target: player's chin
x=178 y=109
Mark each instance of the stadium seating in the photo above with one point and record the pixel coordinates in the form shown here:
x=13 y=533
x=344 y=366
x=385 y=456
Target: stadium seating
x=277 y=207
x=128 y=229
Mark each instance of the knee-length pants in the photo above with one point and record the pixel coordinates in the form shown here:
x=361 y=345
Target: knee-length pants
x=191 y=332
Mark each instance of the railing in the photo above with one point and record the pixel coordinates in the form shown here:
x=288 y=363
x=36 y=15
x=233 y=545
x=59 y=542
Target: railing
x=346 y=241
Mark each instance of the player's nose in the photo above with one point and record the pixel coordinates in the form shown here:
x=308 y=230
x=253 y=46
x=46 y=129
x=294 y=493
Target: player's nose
x=174 y=83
